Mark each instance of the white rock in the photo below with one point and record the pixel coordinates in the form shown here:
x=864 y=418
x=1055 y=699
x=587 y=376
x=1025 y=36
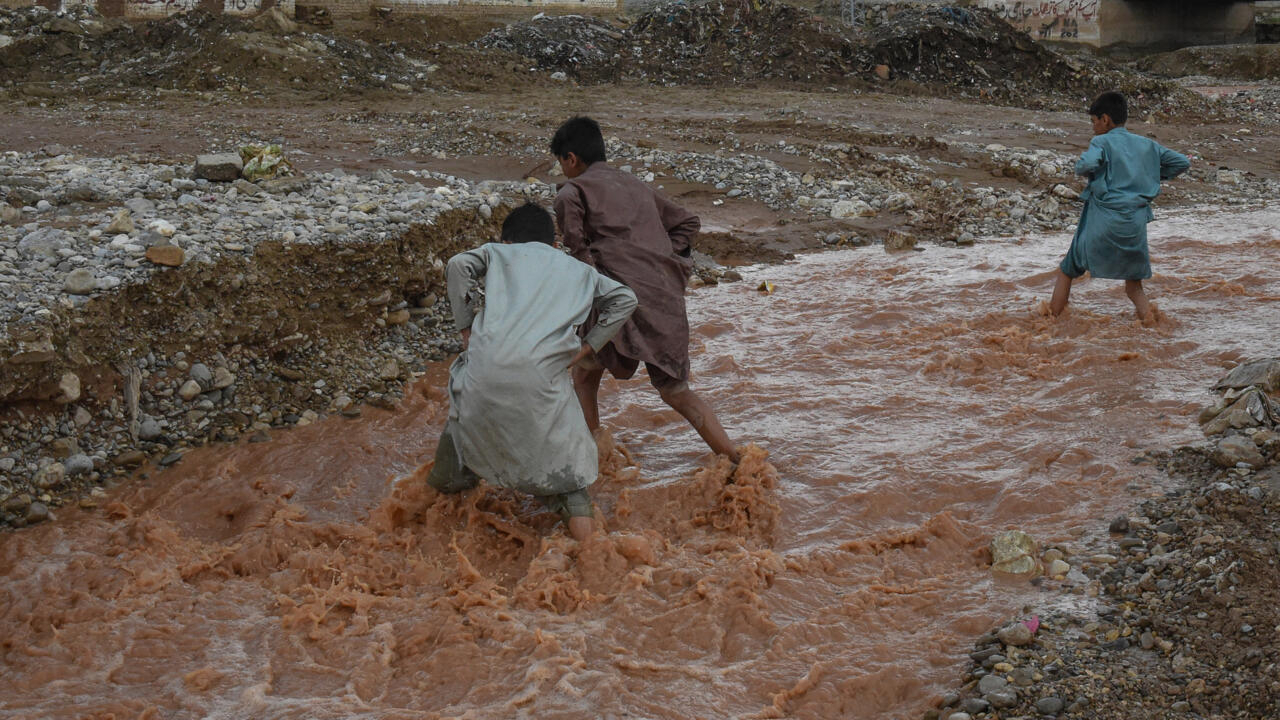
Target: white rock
x=189 y=390
x=80 y=281
x=851 y=208
x=68 y=388
x=162 y=227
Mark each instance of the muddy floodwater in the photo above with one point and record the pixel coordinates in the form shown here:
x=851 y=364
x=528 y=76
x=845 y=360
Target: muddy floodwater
x=910 y=405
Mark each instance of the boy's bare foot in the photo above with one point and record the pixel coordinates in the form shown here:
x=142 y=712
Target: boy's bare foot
x=581 y=528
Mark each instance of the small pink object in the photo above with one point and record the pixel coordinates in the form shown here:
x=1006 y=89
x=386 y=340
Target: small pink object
x=1033 y=624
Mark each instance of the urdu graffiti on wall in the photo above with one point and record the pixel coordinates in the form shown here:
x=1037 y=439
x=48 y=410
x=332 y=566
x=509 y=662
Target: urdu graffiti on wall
x=157 y=8
x=242 y=7
x=1072 y=20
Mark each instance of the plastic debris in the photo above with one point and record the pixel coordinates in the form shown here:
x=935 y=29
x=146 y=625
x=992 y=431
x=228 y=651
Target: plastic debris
x=264 y=162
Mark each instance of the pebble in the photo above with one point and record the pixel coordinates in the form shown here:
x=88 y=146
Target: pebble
x=991 y=683
x=1001 y=699
x=37 y=512
x=149 y=429
x=190 y=390
x=80 y=281
x=223 y=378
x=201 y=373
x=1049 y=706
x=50 y=476
x=78 y=464
x=1015 y=634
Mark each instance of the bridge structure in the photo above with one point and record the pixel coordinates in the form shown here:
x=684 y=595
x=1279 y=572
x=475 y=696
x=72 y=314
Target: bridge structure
x=1133 y=23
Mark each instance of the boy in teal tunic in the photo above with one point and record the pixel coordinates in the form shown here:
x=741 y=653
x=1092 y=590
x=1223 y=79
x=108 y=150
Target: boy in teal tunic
x=1124 y=172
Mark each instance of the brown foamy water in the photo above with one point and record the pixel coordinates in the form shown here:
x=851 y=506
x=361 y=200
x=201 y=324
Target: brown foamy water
x=911 y=405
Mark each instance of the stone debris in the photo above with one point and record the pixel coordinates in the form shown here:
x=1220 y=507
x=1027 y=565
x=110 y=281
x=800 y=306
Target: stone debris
x=1014 y=552
x=1168 y=627
x=220 y=167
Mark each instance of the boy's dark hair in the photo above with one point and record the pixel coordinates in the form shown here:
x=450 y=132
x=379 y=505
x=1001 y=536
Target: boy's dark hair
x=581 y=136
x=1111 y=104
x=529 y=223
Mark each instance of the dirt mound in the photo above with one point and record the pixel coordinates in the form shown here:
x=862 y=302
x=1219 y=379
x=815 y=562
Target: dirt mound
x=735 y=41
x=971 y=53
x=1236 y=62
x=204 y=51
x=976 y=53
x=722 y=41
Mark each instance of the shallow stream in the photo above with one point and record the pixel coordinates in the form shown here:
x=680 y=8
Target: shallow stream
x=911 y=405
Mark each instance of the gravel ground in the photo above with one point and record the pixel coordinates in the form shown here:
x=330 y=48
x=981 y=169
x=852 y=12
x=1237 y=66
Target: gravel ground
x=1177 y=616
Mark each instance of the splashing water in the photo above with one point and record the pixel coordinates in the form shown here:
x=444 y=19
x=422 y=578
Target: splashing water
x=911 y=405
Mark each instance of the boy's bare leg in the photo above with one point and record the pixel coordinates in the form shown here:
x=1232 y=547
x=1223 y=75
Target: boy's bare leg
x=702 y=418
x=1061 y=292
x=586 y=383
x=1133 y=288
x=581 y=528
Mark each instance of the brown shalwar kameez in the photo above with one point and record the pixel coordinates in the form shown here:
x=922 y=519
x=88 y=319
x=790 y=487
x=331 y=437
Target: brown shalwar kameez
x=631 y=233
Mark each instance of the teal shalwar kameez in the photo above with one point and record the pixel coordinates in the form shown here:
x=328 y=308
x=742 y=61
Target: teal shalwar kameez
x=1124 y=172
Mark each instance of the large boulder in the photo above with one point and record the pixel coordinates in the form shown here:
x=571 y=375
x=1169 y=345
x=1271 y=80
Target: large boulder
x=1263 y=373
x=1238 y=449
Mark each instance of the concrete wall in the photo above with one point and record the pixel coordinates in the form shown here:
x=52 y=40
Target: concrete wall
x=1057 y=20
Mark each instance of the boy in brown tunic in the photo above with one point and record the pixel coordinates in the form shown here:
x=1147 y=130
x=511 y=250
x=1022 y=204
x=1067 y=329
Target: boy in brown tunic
x=623 y=228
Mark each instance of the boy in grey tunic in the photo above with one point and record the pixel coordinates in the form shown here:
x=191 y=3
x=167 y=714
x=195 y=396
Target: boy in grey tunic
x=514 y=418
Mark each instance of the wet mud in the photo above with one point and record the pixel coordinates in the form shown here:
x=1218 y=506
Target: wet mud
x=901 y=408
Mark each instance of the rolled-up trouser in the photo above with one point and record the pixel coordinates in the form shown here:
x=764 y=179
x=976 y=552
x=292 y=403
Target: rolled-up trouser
x=449 y=475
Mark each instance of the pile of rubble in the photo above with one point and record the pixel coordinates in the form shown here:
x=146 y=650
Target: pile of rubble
x=1186 y=593
x=50 y=54
x=972 y=53
x=577 y=44
x=1237 y=62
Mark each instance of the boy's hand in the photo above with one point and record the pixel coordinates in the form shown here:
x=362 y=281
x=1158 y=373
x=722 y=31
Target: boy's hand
x=466 y=338
x=586 y=358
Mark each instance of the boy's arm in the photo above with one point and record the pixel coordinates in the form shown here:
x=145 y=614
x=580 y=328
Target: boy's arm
x=463 y=275
x=614 y=303
x=1092 y=160
x=680 y=224
x=1172 y=164
x=571 y=217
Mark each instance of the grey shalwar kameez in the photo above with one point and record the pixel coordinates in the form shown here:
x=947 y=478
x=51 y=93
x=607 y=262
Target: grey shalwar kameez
x=513 y=417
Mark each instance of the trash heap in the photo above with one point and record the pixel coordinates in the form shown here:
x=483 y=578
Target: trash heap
x=576 y=44
x=721 y=41
x=735 y=41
